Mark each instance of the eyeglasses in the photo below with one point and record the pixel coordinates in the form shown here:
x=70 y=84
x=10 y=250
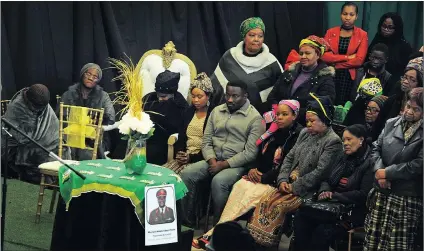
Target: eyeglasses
x=387 y=27
x=372 y=110
x=89 y=75
x=409 y=79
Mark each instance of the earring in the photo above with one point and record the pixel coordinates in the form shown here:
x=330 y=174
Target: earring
x=360 y=143
x=208 y=103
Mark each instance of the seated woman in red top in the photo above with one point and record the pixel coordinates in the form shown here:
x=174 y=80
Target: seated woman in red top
x=348 y=45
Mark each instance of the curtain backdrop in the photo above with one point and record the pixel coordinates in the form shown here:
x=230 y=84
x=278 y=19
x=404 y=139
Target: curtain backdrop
x=49 y=42
x=370 y=13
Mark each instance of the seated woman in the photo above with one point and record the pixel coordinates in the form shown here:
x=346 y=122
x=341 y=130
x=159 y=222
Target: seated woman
x=88 y=93
x=367 y=89
x=310 y=75
x=412 y=78
x=30 y=111
x=250 y=62
x=365 y=113
x=349 y=183
x=396 y=201
x=165 y=107
x=274 y=145
x=188 y=147
x=348 y=51
x=304 y=168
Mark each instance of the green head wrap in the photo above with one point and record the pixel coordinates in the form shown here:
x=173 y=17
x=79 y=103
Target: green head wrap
x=250 y=24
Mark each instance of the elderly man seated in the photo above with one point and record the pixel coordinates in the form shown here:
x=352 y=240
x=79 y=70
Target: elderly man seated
x=228 y=148
x=30 y=111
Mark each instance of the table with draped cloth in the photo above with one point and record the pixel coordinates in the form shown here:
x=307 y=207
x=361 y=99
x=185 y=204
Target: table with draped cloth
x=105 y=211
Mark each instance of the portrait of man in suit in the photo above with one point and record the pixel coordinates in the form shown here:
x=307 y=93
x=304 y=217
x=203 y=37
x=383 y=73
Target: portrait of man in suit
x=162 y=214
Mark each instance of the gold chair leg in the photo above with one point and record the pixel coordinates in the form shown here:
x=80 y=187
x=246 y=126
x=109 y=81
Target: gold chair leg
x=53 y=201
x=40 y=199
x=350 y=242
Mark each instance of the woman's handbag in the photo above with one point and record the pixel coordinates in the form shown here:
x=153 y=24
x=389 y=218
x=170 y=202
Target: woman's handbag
x=326 y=210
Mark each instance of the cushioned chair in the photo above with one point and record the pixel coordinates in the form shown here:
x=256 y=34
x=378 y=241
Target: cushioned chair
x=154 y=62
x=93 y=123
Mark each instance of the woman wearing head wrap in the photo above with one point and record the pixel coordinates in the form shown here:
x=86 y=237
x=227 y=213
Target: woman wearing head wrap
x=274 y=146
x=165 y=107
x=368 y=89
x=348 y=51
x=396 y=201
x=306 y=165
x=349 y=182
x=187 y=149
x=88 y=93
x=412 y=78
x=30 y=111
x=365 y=113
x=310 y=75
x=390 y=33
x=373 y=109
x=250 y=62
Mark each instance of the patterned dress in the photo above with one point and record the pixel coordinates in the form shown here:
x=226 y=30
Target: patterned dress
x=195 y=135
x=194 y=142
x=342 y=79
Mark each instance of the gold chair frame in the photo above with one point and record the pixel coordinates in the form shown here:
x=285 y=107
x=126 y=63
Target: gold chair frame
x=169 y=53
x=96 y=123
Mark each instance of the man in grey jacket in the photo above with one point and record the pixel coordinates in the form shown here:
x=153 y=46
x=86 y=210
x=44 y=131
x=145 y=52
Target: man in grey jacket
x=228 y=149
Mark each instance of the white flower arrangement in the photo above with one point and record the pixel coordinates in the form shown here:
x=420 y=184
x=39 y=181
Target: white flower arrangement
x=136 y=128
x=135 y=124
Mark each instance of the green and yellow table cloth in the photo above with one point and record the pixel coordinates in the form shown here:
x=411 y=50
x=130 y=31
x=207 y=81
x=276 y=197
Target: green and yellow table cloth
x=110 y=176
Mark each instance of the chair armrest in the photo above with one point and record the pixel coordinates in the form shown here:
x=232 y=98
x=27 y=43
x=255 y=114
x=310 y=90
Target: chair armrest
x=171 y=141
x=356 y=230
x=107 y=128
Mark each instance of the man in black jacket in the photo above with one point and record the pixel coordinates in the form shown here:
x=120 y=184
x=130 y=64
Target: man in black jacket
x=375 y=68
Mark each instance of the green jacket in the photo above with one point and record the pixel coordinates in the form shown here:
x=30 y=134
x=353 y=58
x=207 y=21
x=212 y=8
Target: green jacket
x=232 y=137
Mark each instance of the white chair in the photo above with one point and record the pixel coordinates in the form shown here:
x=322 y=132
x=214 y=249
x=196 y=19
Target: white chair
x=154 y=62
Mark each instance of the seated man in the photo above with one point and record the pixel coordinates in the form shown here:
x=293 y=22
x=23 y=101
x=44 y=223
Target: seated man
x=375 y=68
x=165 y=107
x=87 y=93
x=30 y=111
x=228 y=148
